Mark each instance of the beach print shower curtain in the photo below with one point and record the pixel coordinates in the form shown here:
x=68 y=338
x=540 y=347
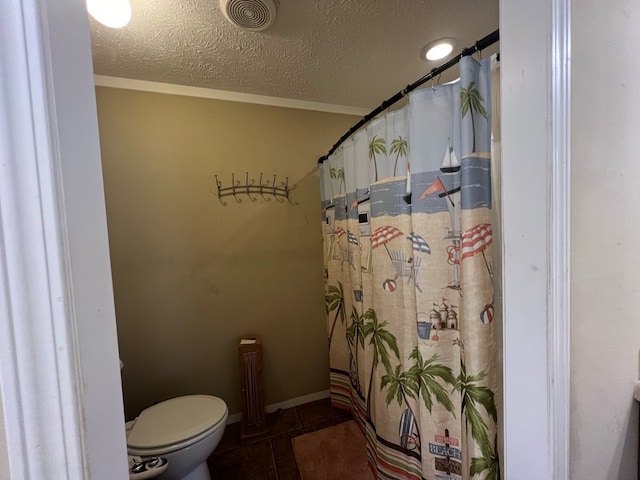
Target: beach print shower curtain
x=408 y=272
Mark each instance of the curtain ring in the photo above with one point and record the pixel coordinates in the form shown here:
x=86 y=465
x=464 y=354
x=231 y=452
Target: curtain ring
x=478 y=51
x=435 y=82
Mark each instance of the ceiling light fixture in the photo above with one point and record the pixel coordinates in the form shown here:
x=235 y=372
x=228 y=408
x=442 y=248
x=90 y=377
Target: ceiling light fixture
x=111 y=13
x=438 y=50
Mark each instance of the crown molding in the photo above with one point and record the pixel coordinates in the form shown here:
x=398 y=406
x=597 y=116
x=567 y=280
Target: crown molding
x=172 y=89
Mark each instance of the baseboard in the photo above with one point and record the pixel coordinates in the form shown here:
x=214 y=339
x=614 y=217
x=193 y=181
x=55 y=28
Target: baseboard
x=293 y=402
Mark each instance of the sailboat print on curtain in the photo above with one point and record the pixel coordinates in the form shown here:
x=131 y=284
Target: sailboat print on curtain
x=409 y=304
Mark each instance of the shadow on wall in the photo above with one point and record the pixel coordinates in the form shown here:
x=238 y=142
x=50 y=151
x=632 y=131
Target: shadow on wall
x=191 y=275
x=628 y=442
x=258 y=271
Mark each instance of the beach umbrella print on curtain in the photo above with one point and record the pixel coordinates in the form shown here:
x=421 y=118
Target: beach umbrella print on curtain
x=339 y=232
x=476 y=240
x=383 y=235
x=419 y=244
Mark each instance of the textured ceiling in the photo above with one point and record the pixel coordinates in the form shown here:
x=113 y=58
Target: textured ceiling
x=343 y=52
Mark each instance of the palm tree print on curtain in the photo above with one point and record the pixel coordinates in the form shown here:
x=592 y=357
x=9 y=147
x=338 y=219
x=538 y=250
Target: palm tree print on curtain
x=377 y=145
x=471 y=101
x=337 y=173
x=381 y=340
x=489 y=462
x=412 y=349
x=425 y=379
x=474 y=395
x=355 y=336
x=335 y=304
x=399 y=147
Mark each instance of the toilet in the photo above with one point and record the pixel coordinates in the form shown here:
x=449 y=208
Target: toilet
x=184 y=430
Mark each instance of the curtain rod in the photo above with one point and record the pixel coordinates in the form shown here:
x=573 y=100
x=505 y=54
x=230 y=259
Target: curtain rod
x=478 y=46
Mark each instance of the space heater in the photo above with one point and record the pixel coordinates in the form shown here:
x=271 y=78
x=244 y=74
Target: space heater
x=254 y=421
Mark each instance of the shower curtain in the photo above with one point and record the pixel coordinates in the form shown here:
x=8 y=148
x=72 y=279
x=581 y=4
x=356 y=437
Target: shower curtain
x=406 y=207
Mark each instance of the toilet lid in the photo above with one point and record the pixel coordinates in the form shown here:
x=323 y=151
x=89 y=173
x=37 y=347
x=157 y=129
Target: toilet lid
x=176 y=420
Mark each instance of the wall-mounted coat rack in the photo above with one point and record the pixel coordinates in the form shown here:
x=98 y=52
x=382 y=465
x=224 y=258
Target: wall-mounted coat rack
x=265 y=188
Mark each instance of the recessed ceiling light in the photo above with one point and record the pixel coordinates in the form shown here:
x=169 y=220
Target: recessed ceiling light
x=112 y=13
x=438 y=50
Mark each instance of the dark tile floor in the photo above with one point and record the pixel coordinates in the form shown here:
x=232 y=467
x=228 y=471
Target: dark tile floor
x=270 y=457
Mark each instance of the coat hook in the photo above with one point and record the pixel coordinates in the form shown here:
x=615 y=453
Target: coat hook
x=250 y=187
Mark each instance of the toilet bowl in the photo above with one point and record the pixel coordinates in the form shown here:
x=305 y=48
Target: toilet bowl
x=184 y=430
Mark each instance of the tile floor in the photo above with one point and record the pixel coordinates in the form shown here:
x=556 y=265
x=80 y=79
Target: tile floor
x=270 y=457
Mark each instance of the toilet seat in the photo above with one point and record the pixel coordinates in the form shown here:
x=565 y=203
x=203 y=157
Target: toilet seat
x=175 y=424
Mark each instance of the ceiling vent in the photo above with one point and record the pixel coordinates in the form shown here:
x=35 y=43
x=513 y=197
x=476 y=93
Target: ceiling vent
x=254 y=15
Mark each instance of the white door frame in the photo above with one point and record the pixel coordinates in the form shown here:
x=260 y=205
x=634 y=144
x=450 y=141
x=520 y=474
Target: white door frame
x=59 y=368
x=59 y=374
x=535 y=96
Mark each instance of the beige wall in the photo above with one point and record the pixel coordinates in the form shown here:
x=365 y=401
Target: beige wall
x=605 y=227
x=192 y=275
